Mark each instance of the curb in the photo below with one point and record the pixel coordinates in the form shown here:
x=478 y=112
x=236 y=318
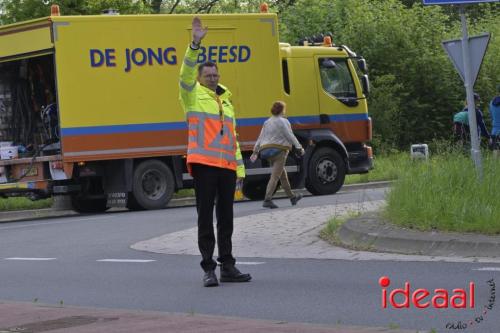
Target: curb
x=365 y=186
x=369 y=232
x=20 y=215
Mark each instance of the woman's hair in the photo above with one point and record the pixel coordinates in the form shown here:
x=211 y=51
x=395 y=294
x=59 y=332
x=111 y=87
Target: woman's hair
x=277 y=108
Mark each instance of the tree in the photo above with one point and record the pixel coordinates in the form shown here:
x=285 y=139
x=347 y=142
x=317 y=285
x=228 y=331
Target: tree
x=21 y=10
x=416 y=89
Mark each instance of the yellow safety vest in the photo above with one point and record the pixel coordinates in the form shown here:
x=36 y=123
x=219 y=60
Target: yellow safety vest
x=212 y=138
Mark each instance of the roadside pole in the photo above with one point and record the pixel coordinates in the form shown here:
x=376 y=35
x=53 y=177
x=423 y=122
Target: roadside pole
x=469 y=89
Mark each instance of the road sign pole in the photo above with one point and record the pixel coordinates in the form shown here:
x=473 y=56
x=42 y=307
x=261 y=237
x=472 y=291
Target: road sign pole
x=469 y=86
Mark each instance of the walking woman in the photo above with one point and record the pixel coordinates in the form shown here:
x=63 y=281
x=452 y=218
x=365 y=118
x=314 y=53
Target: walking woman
x=274 y=143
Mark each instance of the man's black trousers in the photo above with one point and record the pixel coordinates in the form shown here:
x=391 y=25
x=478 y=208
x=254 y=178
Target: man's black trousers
x=214 y=185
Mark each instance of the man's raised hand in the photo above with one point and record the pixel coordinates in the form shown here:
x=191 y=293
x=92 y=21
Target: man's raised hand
x=198 y=31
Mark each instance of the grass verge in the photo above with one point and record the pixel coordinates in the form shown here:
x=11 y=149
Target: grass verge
x=444 y=193
x=21 y=203
x=184 y=193
x=329 y=232
x=386 y=167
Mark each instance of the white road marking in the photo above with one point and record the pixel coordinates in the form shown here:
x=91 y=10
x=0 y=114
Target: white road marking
x=489 y=269
x=31 y=259
x=125 y=260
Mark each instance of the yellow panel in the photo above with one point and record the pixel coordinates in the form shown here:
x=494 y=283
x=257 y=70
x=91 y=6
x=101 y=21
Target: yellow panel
x=25 y=39
x=93 y=91
x=303 y=99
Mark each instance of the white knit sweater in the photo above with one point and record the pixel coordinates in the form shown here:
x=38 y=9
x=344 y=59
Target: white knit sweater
x=276 y=132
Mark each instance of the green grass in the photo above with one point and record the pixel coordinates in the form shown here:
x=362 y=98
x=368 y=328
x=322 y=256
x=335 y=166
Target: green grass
x=445 y=194
x=21 y=203
x=329 y=232
x=184 y=193
x=386 y=167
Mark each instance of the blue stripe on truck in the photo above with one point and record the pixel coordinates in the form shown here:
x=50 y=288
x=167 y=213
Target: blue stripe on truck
x=131 y=128
x=114 y=129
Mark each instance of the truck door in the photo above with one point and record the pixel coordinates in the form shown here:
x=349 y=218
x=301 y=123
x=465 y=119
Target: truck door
x=339 y=92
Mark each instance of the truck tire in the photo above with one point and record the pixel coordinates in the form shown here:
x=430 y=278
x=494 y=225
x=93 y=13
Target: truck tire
x=81 y=204
x=152 y=186
x=326 y=172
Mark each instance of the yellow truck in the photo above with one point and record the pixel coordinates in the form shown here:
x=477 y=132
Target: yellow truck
x=89 y=106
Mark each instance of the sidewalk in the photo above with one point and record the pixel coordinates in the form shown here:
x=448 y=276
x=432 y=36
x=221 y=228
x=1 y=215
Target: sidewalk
x=294 y=233
x=35 y=318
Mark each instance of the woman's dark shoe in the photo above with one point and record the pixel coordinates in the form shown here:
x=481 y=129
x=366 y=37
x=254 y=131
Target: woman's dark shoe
x=229 y=273
x=295 y=199
x=210 y=279
x=269 y=204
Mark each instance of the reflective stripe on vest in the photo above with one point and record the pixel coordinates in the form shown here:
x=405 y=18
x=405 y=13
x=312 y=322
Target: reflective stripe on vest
x=206 y=145
x=212 y=153
x=204 y=115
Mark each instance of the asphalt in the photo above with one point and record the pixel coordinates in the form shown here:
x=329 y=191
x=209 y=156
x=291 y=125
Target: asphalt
x=368 y=232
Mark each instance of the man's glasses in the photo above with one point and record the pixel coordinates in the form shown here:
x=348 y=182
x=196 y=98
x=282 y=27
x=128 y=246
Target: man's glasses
x=211 y=76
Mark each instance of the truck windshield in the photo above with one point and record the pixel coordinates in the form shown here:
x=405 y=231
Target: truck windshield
x=336 y=80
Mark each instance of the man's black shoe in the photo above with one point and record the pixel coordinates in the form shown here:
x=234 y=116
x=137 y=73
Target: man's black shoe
x=269 y=204
x=210 y=279
x=295 y=198
x=229 y=273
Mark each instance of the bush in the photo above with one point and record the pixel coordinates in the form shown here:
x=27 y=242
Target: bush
x=416 y=89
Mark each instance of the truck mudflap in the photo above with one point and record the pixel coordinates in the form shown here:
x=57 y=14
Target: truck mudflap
x=303 y=164
x=360 y=161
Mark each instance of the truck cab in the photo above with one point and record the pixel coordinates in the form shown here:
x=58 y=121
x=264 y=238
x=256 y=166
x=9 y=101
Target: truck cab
x=325 y=88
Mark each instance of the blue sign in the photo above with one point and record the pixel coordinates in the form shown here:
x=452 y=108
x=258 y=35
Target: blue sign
x=455 y=2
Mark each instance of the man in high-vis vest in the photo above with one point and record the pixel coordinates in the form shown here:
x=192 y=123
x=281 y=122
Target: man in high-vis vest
x=213 y=158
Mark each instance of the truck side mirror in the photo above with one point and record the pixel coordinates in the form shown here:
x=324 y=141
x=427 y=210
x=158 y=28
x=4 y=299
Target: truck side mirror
x=362 y=65
x=365 y=82
x=328 y=63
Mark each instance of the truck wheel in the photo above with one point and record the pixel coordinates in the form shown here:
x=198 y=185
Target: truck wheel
x=326 y=172
x=152 y=186
x=81 y=204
